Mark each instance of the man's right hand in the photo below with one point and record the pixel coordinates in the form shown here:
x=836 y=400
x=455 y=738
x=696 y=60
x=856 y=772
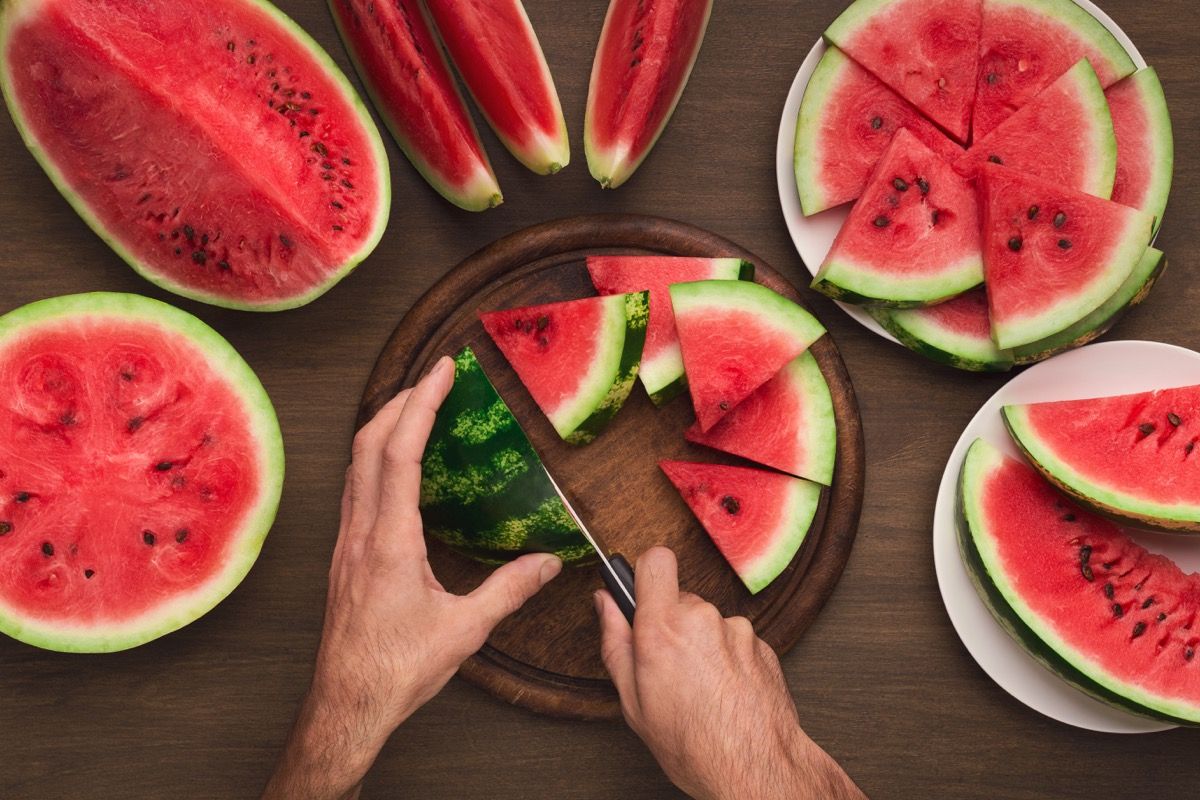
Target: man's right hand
x=708 y=698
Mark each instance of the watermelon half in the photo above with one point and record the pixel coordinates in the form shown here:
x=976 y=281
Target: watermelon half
x=957 y=332
x=1086 y=601
x=1052 y=256
x=757 y=519
x=578 y=359
x=787 y=423
x=912 y=238
x=1130 y=456
x=213 y=145
x=1145 y=143
x=735 y=335
x=661 y=370
x=140 y=469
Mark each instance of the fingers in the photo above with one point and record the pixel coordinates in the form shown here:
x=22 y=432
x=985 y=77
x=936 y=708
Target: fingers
x=616 y=649
x=366 y=464
x=507 y=589
x=656 y=580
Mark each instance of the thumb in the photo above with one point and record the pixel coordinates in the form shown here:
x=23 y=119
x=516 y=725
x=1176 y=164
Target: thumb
x=507 y=589
x=616 y=649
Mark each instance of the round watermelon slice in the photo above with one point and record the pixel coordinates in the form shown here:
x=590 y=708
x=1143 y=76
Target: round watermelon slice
x=957 y=332
x=1084 y=599
x=578 y=359
x=140 y=469
x=757 y=519
x=1145 y=143
x=212 y=144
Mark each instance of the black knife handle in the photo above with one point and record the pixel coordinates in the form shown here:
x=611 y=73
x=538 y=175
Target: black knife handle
x=621 y=576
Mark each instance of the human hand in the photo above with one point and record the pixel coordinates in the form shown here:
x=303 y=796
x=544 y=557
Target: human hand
x=708 y=697
x=393 y=636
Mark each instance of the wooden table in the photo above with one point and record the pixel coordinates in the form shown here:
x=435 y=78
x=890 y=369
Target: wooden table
x=881 y=680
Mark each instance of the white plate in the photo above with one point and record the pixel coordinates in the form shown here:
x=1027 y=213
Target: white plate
x=813 y=236
x=1108 y=368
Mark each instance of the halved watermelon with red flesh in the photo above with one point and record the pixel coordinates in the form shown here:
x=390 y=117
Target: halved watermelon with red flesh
x=578 y=358
x=140 y=469
x=847 y=120
x=1145 y=143
x=957 y=332
x=757 y=519
x=1051 y=256
x=396 y=53
x=498 y=55
x=661 y=370
x=1079 y=595
x=1034 y=139
x=735 y=335
x=214 y=146
x=926 y=50
x=787 y=423
x=1025 y=45
x=645 y=56
x=1130 y=456
x=912 y=238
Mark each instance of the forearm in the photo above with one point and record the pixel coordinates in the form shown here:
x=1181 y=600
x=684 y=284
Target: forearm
x=794 y=769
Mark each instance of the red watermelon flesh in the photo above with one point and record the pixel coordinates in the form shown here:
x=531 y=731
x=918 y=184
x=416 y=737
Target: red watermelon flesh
x=1145 y=143
x=757 y=519
x=926 y=50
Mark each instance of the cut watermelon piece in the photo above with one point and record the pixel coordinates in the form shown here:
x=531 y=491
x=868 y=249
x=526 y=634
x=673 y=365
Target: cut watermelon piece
x=846 y=121
x=1032 y=140
x=396 y=53
x=1145 y=143
x=661 y=371
x=498 y=55
x=1052 y=256
x=213 y=145
x=787 y=423
x=578 y=359
x=645 y=56
x=912 y=239
x=926 y=50
x=735 y=335
x=757 y=519
x=957 y=332
x=1085 y=600
x=1025 y=45
x=1129 y=456
x=142 y=468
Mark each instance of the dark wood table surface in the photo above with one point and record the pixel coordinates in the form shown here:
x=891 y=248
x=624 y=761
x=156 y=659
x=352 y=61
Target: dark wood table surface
x=881 y=680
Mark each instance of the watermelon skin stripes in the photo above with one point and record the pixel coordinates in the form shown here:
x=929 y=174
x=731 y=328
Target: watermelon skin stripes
x=1145 y=143
x=957 y=332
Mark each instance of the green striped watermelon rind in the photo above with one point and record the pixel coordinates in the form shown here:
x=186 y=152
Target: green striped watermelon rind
x=848 y=282
x=804 y=499
x=1160 y=121
x=939 y=345
x=264 y=427
x=1004 y=601
x=821 y=85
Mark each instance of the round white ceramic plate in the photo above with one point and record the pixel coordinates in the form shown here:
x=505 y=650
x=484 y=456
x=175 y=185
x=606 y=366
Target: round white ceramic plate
x=813 y=236
x=1108 y=368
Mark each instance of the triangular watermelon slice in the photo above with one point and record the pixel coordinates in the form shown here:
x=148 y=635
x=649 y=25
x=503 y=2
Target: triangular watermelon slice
x=1145 y=143
x=1064 y=134
x=578 y=359
x=757 y=519
x=957 y=332
x=926 y=50
x=662 y=363
x=787 y=423
x=735 y=335
x=912 y=239
x=1051 y=256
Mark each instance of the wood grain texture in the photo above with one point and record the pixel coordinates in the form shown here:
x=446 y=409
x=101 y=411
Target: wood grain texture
x=880 y=679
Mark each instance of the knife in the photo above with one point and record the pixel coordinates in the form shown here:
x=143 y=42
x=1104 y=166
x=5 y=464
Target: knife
x=614 y=569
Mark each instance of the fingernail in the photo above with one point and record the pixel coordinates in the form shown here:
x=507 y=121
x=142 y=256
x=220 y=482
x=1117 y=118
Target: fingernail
x=598 y=601
x=444 y=363
x=550 y=569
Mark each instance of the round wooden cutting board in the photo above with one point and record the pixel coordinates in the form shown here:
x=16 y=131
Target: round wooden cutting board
x=547 y=656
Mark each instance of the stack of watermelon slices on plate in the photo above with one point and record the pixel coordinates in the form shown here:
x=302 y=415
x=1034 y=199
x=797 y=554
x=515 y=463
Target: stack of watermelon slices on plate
x=1009 y=171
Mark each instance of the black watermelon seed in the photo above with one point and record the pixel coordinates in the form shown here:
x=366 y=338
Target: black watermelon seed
x=67 y=419
x=731 y=504
x=148 y=537
x=224 y=265
x=543 y=322
x=1014 y=244
x=303 y=134
x=335 y=204
x=1033 y=212
x=992 y=78
x=21 y=497
x=1161 y=616
x=1118 y=612
x=47 y=549
x=1189 y=653
x=1108 y=590
x=319 y=147
x=900 y=184
x=347 y=184
x=995 y=159
x=1174 y=419
x=1189 y=447
x=1060 y=219
x=876 y=123
x=935 y=216
x=178 y=250
x=923 y=185
x=1108 y=565
x=134 y=423
x=230 y=46
x=881 y=221
x=1068 y=518
x=5 y=527
x=163 y=466
x=1148 y=602
x=285 y=241
x=1146 y=428
x=181 y=535
x=723 y=405
x=1139 y=629
x=337 y=227
x=1085 y=556
x=199 y=257
x=88 y=573
x=543 y=341
x=1065 y=244
x=189 y=232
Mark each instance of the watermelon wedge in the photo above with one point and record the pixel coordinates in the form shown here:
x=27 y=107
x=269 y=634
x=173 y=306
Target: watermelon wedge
x=498 y=55
x=213 y=145
x=1032 y=140
x=735 y=335
x=578 y=359
x=645 y=56
x=1052 y=256
x=1129 y=456
x=1025 y=45
x=1084 y=599
x=396 y=53
x=957 y=332
x=142 y=468
x=1145 y=143
x=846 y=121
x=787 y=423
x=912 y=238
x=925 y=50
